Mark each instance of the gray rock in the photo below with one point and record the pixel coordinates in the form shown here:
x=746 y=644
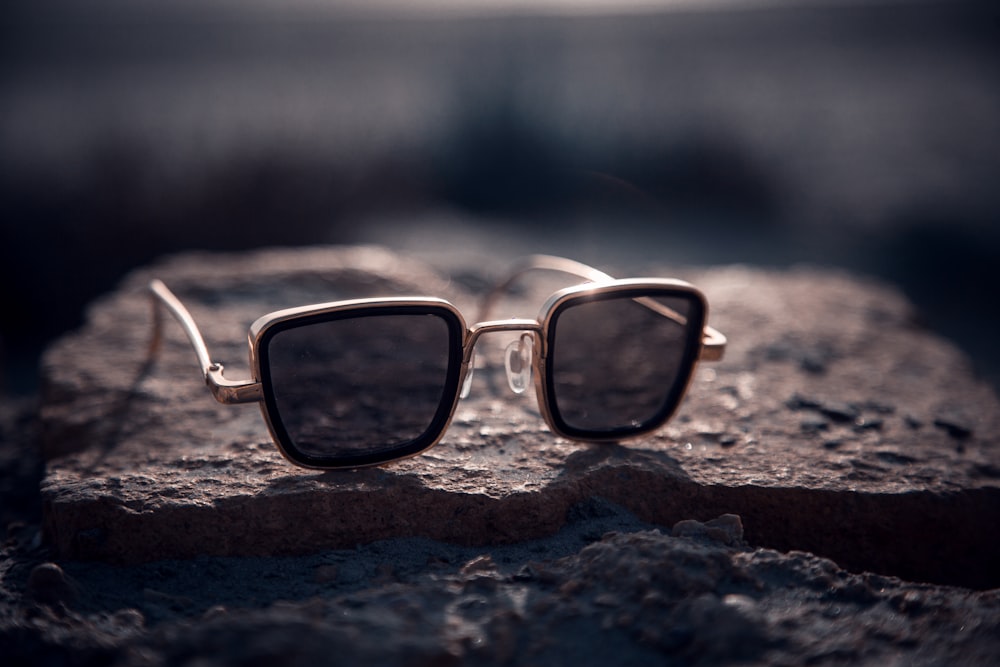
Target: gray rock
x=147 y=466
x=48 y=584
x=727 y=529
x=627 y=599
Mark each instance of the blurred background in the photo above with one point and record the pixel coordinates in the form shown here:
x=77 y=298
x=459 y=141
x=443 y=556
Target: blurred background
x=863 y=135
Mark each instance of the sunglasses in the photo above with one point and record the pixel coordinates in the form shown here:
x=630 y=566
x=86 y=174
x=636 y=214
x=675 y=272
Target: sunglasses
x=368 y=381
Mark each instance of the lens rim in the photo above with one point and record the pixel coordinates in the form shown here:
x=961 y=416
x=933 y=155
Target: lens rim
x=264 y=329
x=637 y=288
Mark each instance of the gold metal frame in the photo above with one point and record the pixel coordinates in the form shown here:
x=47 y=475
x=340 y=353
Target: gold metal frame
x=712 y=344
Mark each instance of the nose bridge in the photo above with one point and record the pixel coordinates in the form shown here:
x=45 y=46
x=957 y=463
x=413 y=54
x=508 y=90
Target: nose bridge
x=494 y=326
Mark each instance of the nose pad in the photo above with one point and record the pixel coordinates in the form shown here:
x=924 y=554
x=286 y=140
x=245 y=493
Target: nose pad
x=467 y=383
x=517 y=361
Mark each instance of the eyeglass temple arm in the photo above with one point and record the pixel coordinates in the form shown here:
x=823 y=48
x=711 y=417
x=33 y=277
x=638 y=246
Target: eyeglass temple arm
x=224 y=391
x=713 y=342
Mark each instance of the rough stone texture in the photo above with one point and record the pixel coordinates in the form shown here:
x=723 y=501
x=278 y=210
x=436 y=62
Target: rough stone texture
x=634 y=596
x=835 y=425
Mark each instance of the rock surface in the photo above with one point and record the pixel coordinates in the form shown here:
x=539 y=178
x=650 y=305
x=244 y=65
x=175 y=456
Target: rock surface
x=835 y=425
x=631 y=596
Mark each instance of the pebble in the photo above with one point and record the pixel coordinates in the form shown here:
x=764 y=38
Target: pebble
x=49 y=584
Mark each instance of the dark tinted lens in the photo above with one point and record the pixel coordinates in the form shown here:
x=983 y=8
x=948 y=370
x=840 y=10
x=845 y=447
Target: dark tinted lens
x=619 y=364
x=362 y=388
